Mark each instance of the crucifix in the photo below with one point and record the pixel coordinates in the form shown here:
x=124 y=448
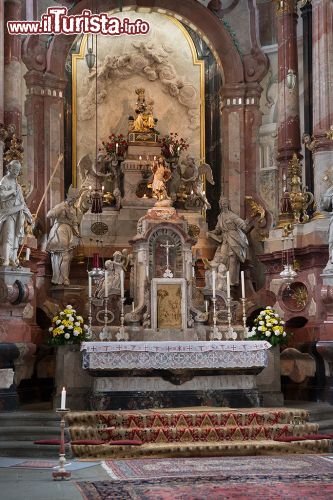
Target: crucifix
x=167 y=273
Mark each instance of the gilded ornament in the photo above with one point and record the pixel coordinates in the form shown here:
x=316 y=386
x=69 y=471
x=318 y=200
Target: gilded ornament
x=285 y=6
x=193 y=230
x=300 y=198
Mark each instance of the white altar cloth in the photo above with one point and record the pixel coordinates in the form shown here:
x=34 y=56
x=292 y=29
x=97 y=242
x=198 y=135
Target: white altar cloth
x=174 y=355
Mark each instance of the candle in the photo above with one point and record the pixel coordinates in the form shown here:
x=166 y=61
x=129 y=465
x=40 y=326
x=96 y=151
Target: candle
x=243 y=284
x=117 y=146
x=228 y=285
x=154 y=158
x=193 y=271
x=206 y=304
x=95 y=262
x=27 y=253
x=122 y=283
x=63 y=399
x=89 y=286
x=106 y=283
x=214 y=282
x=133 y=306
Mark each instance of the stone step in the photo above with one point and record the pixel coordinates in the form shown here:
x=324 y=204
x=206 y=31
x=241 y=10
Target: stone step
x=233 y=448
x=29 y=449
x=196 y=417
x=29 y=432
x=27 y=419
x=193 y=434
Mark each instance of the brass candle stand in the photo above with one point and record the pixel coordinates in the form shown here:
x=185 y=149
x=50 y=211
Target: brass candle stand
x=230 y=333
x=244 y=319
x=61 y=473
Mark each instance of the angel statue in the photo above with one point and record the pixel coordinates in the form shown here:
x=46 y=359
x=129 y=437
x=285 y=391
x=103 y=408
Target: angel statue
x=192 y=177
x=162 y=174
x=95 y=176
x=65 y=233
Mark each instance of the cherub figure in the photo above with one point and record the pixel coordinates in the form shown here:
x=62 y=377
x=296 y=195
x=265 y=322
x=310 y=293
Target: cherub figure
x=162 y=174
x=192 y=177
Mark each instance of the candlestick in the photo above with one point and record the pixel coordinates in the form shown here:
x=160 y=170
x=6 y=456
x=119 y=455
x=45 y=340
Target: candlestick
x=61 y=473
x=106 y=283
x=89 y=286
x=122 y=288
x=214 y=282
x=215 y=334
x=244 y=319
x=228 y=285
x=243 y=284
x=122 y=335
x=63 y=399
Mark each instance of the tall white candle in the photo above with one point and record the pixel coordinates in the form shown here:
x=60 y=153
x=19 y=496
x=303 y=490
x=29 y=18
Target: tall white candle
x=106 y=283
x=206 y=304
x=243 y=284
x=117 y=147
x=214 y=282
x=27 y=253
x=63 y=399
x=228 y=284
x=89 y=286
x=122 y=279
x=133 y=307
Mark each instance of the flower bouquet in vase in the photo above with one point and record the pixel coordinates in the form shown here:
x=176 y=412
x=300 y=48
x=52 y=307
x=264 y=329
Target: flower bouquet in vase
x=268 y=326
x=115 y=145
x=172 y=145
x=68 y=328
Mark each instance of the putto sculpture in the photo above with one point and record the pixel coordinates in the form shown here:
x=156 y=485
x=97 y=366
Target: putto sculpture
x=162 y=174
x=14 y=214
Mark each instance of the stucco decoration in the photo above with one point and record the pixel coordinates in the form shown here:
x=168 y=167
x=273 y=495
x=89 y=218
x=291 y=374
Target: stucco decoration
x=161 y=62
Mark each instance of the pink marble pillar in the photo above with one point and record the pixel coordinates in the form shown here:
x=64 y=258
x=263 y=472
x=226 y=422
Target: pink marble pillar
x=322 y=43
x=12 y=68
x=44 y=109
x=241 y=119
x=2 y=20
x=289 y=137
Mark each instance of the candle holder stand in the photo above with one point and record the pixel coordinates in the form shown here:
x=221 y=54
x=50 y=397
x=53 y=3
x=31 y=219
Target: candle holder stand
x=61 y=473
x=230 y=333
x=244 y=319
x=215 y=333
x=90 y=332
x=122 y=335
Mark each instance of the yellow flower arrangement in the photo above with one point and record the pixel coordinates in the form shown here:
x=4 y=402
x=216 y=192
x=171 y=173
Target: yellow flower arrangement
x=268 y=326
x=68 y=327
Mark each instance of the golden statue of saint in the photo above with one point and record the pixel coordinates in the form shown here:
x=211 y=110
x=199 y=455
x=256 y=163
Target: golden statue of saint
x=144 y=121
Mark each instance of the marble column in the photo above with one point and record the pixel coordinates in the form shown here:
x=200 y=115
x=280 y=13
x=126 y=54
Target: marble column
x=12 y=68
x=2 y=20
x=322 y=43
x=44 y=109
x=241 y=120
x=289 y=137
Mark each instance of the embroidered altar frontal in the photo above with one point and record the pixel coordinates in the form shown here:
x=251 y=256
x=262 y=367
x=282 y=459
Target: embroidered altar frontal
x=138 y=375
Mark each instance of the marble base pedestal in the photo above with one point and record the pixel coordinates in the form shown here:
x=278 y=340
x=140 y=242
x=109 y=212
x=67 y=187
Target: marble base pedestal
x=8 y=395
x=69 y=374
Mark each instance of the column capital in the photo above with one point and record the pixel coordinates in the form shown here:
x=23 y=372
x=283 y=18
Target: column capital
x=286 y=7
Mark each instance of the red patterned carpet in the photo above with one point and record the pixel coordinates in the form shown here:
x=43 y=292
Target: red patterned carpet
x=289 y=477
x=261 y=466
x=198 y=488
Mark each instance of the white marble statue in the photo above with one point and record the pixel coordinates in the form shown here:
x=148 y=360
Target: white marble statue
x=220 y=275
x=14 y=213
x=113 y=267
x=192 y=177
x=230 y=233
x=327 y=205
x=65 y=234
